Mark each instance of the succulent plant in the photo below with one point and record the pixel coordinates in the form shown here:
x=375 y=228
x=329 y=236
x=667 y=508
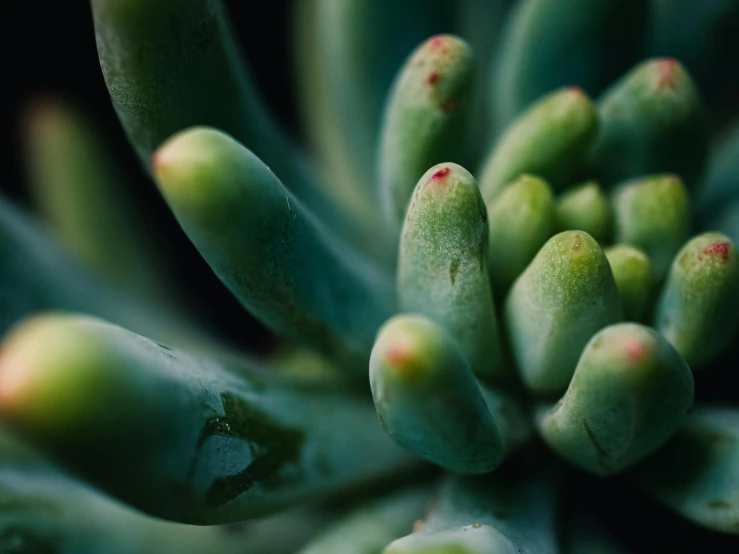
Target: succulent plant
x=504 y=269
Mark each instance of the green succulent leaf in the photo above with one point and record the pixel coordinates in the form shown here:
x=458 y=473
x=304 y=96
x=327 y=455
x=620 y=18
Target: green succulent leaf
x=423 y=118
x=652 y=121
x=697 y=472
x=630 y=392
x=585 y=207
x=633 y=274
x=442 y=267
x=698 y=310
x=492 y=514
x=521 y=220
x=427 y=397
x=174 y=64
x=564 y=297
x=37 y=275
x=214 y=441
x=86 y=205
x=269 y=250
x=653 y=214
x=550 y=140
x=548 y=44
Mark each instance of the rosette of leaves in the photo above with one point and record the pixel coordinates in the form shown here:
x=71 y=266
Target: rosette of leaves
x=516 y=222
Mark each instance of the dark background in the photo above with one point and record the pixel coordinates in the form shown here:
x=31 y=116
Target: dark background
x=51 y=52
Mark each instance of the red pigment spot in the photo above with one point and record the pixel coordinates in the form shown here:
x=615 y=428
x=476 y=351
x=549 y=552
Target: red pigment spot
x=397 y=355
x=156 y=161
x=437 y=41
x=634 y=350
x=441 y=173
x=575 y=90
x=433 y=78
x=666 y=74
x=721 y=248
x=449 y=105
